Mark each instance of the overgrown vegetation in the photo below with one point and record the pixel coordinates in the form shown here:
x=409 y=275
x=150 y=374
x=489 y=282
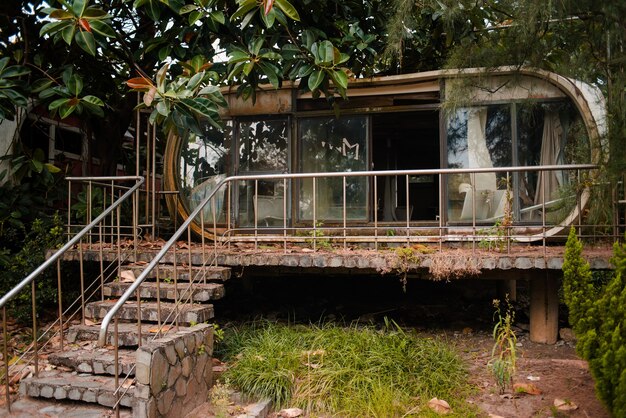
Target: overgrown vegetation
x=22 y=251
x=345 y=371
x=503 y=354
x=597 y=313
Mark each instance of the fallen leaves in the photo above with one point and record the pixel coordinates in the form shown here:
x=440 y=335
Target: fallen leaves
x=565 y=405
x=527 y=388
x=439 y=406
x=290 y=412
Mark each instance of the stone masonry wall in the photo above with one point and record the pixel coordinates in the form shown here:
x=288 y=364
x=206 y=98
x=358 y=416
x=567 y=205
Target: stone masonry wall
x=174 y=373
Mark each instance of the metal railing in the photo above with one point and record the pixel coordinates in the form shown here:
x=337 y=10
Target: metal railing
x=287 y=233
x=107 y=223
x=284 y=225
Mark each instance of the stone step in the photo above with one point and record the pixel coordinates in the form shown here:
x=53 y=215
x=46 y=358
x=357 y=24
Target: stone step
x=77 y=387
x=95 y=361
x=166 y=271
x=168 y=291
x=187 y=313
x=127 y=333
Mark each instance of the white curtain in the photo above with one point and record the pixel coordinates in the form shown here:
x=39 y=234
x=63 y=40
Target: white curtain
x=478 y=153
x=551 y=154
x=204 y=189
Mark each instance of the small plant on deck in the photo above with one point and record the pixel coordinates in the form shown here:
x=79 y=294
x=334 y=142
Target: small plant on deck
x=503 y=354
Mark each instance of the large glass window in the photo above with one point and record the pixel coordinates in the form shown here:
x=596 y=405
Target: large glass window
x=263 y=148
x=482 y=137
x=204 y=162
x=478 y=137
x=329 y=144
x=548 y=134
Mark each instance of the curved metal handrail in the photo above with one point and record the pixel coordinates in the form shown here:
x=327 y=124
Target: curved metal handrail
x=26 y=281
x=171 y=242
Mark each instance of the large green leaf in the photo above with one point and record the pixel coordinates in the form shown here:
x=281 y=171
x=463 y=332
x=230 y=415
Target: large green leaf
x=339 y=78
x=53 y=27
x=86 y=41
x=79 y=6
x=201 y=106
x=315 y=79
x=68 y=34
x=92 y=13
x=288 y=9
x=75 y=85
x=58 y=103
x=61 y=14
x=244 y=7
x=14 y=71
x=102 y=28
x=93 y=100
x=67 y=109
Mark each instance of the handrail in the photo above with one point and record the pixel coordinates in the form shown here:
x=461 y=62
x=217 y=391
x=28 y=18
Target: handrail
x=140 y=180
x=170 y=243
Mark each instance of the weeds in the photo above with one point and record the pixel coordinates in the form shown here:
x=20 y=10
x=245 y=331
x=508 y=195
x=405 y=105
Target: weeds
x=405 y=259
x=503 y=354
x=348 y=372
x=319 y=239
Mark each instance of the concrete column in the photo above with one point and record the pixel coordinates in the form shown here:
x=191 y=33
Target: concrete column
x=544 y=308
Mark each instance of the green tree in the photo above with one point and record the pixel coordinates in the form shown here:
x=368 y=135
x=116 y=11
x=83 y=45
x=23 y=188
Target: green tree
x=598 y=317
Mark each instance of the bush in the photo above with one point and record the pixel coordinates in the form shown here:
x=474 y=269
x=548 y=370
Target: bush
x=18 y=261
x=598 y=317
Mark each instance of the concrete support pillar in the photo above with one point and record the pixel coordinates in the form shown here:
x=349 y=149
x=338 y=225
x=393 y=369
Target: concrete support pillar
x=544 y=308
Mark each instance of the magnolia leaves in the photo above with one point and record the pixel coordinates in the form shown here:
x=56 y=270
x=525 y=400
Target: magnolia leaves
x=76 y=22
x=269 y=11
x=68 y=96
x=12 y=88
x=184 y=102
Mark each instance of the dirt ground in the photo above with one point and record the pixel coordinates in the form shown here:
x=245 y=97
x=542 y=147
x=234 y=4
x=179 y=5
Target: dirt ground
x=553 y=370
x=456 y=312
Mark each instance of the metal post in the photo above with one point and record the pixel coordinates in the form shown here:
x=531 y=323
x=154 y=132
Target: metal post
x=285 y=215
x=375 y=213
x=256 y=214
x=344 y=212
x=60 y=298
x=314 y=216
x=6 y=359
x=82 y=281
x=35 y=342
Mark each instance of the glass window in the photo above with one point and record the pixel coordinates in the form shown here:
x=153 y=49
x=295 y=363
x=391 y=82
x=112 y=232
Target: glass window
x=263 y=148
x=545 y=133
x=478 y=137
x=328 y=144
x=204 y=162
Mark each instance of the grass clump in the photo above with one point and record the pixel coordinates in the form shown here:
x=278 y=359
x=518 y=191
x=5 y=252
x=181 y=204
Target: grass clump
x=345 y=371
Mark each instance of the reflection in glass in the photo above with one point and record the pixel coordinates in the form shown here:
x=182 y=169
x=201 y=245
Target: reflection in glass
x=263 y=149
x=545 y=132
x=204 y=162
x=481 y=137
x=329 y=144
x=478 y=137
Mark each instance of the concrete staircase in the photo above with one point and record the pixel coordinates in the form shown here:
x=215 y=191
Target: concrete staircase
x=84 y=372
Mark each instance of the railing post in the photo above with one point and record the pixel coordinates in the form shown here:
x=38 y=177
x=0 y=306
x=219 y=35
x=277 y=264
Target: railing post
x=256 y=214
x=375 y=213
x=82 y=281
x=314 y=215
x=35 y=338
x=408 y=216
x=60 y=300
x=285 y=215
x=344 y=212
x=5 y=356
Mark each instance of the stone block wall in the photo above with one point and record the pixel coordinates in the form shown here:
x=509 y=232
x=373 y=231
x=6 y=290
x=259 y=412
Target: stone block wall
x=174 y=373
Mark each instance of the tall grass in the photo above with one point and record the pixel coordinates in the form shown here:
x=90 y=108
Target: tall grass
x=345 y=371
